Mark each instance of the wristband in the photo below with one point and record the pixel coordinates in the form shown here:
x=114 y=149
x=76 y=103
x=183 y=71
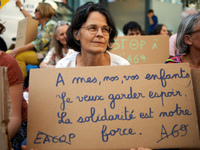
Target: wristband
x=22 y=7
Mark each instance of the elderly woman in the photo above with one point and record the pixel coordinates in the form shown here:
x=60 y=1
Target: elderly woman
x=187 y=42
x=34 y=52
x=59 y=46
x=91 y=34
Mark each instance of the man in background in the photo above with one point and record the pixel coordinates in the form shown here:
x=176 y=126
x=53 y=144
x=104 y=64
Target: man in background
x=153 y=20
x=132 y=28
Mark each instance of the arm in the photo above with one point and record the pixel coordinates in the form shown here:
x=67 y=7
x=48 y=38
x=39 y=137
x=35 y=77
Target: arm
x=16 y=92
x=150 y=18
x=26 y=47
x=25 y=13
x=46 y=62
x=45 y=65
x=151 y=21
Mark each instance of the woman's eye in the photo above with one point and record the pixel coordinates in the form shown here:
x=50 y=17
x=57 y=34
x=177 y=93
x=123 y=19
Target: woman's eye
x=105 y=29
x=92 y=28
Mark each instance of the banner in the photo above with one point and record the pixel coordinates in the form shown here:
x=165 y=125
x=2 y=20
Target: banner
x=142 y=49
x=113 y=107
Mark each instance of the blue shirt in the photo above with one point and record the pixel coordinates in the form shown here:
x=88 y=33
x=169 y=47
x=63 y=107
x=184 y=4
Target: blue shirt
x=155 y=20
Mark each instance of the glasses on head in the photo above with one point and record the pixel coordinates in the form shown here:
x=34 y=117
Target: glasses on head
x=60 y=23
x=193 y=31
x=37 y=10
x=106 y=30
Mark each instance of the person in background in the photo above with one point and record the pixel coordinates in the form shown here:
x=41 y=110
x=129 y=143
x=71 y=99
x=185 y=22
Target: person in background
x=27 y=14
x=132 y=28
x=153 y=20
x=60 y=48
x=187 y=42
x=17 y=126
x=169 y=33
x=173 y=51
x=33 y=53
x=160 y=29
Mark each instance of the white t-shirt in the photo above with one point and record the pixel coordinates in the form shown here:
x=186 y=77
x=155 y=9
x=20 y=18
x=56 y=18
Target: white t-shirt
x=48 y=58
x=70 y=61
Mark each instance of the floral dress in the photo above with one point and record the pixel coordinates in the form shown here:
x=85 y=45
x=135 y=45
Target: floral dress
x=42 y=42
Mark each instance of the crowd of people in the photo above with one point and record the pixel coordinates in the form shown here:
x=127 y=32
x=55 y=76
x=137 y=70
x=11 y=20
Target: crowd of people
x=86 y=41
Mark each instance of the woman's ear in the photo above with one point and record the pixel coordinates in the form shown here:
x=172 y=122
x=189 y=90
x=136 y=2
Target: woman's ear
x=187 y=39
x=56 y=37
x=76 y=35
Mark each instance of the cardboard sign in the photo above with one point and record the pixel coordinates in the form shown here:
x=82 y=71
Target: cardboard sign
x=142 y=49
x=113 y=107
x=26 y=31
x=5 y=104
x=196 y=84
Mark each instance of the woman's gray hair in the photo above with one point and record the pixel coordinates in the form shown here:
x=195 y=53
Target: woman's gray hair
x=185 y=28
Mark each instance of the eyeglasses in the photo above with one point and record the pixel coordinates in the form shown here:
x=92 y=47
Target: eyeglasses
x=193 y=31
x=37 y=10
x=106 y=30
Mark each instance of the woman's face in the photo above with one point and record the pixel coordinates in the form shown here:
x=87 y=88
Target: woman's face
x=37 y=13
x=98 y=42
x=61 y=34
x=195 y=37
x=163 y=31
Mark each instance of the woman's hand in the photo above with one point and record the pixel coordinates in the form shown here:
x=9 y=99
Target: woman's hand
x=18 y=3
x=14 y=52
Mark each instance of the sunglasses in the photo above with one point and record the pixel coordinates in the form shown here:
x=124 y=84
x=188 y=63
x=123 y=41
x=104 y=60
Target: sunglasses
x=37 y=10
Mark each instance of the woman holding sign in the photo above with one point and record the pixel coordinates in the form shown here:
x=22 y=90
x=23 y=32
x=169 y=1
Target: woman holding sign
x=91 y=34
x=33 y=53
x=187 y=42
